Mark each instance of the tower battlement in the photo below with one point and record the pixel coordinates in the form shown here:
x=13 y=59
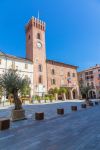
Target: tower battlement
x=37 y=23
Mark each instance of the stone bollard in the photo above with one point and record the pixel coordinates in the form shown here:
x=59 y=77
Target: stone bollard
x=4 y=123
x=83 y=105
x=39 y=116
x=74 y=108
x=91 y=104
x=96 y=103
x=60 y=111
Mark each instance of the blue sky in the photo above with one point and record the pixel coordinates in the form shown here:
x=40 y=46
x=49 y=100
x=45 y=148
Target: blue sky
x=72 y=34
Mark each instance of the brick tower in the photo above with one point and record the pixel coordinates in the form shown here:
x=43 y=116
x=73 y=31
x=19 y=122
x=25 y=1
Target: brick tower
x=36 y=52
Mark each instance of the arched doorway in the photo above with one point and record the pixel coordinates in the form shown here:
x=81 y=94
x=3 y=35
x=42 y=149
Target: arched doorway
x=68 y=95
x=74 y=94
x=92 y=94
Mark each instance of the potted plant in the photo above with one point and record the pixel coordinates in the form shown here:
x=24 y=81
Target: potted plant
x=13 y=83
x=51 y=97
x=46 y=98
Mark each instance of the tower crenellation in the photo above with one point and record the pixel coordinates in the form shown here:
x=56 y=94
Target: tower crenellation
x=37 y=23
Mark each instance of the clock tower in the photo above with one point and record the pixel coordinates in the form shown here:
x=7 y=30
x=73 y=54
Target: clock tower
x=36 y=52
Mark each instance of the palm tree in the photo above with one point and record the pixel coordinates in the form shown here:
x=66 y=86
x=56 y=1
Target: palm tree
x=13 y=83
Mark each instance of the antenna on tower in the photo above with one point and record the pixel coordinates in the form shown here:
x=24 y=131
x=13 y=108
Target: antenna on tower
x=38 y=14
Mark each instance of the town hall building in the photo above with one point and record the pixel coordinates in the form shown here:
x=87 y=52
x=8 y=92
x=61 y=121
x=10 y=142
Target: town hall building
x=44 y=74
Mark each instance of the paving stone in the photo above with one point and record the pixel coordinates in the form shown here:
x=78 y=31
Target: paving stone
x=72 y=131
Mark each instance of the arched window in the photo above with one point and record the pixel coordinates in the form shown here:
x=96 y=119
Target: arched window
x=73 y=74
x=68 y=74
x=53 y=81
x=29 y=37
x=53 y=71
x=40 y=68
x=38 y=36
x=40 y=79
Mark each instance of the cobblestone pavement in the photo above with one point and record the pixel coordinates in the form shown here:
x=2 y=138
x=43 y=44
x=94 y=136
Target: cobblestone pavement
x=73 y=131
x=49 y=109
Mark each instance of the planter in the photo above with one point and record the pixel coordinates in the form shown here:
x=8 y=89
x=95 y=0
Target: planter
x=39 y=116
x=83 y=105
x=18 y=115
x=60 y=111
x=74 y=108
x=4 y=123
x=51 y=101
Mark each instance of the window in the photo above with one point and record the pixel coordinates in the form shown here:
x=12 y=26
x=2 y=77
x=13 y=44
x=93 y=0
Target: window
x=99 y=76
x=98 y=70
x=87 y=78
x=40 y=68
x=53 y=81
x=80 y=76
x=40 y=79
x=38 y=36
x=68 y=74
x=86 y=73
x=41 y=27
x=29 y=37
x=92 y=84
x=92 y=77
x=26 y=66
x=73 y=74
x=53 y=71
x=90 y=72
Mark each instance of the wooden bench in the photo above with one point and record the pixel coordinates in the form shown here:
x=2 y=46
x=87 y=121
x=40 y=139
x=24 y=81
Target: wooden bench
x=60 y=111
x=4 y=123
x=74 y=108
x=39 y=115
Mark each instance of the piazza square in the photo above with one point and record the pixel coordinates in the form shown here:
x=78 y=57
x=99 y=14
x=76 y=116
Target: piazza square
x=50 y=75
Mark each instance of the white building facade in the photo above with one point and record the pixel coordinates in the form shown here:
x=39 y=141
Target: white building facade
x=23 y=66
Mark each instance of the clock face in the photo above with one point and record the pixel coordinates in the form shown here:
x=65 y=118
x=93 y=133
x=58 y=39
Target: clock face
x=39 y=45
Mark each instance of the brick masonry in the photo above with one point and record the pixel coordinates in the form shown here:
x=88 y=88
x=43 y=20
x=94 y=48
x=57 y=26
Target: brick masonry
x=37 y=54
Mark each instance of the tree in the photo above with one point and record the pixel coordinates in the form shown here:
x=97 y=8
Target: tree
x=63 y=91
x=26 y=91
x=55 y=91
x=84 y=91
x=51 y=91
x=13 y=83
